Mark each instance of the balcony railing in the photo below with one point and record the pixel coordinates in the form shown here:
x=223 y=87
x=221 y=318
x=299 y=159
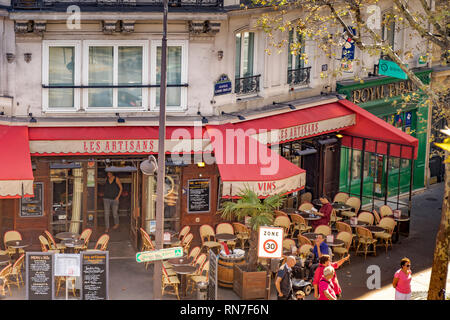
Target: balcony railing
x=48 y=4
x=299 y=76
x=246 y=85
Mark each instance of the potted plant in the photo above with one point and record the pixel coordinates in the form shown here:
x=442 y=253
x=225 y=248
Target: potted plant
x=251 y=279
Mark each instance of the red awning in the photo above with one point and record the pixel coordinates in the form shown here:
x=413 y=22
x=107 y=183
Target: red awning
x=113 y=140
x=379 y=135
x=244 y=162
x=16 y=173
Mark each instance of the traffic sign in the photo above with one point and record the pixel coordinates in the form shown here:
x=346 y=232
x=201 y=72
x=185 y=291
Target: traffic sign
x=162 y=254
x=270 y=242
x=391 y=69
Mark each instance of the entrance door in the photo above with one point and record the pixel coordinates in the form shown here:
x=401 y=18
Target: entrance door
x=135 y=210
x=331 y=165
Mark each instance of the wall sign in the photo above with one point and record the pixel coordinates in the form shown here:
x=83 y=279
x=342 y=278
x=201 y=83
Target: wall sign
x=222 y=86
x=199 y=195
x=270 y=242
x=40 y=284
x=95 y=275
x=34 y=206
x=382 y=91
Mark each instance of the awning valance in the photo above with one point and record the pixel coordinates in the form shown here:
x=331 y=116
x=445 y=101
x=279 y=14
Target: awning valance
x=16 y=173
x=243 y=162
x=114 y=140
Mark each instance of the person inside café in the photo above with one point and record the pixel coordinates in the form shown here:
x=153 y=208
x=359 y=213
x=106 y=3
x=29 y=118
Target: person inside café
x=113 y=190
x=324 y=212
x=283 y=282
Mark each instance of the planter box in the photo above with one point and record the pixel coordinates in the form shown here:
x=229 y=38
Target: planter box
x=251 y=285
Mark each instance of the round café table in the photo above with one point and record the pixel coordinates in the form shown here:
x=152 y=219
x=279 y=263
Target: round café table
x=183 y=261
x=399 y=220
x=375 y=229
x=72 y=243
x=225 y=237
x=317 y=202
x=358 y=224
x=310 y=235
x=67 y=236
x=335 y=243
x=4 y=260
x=183 y=271
x=310 y=216
x=341 y=207
x=16 y=244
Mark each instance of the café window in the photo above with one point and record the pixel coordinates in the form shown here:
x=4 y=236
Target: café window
x=177 y=53
x=118 y=69
x=357 y=162
x=61 y=67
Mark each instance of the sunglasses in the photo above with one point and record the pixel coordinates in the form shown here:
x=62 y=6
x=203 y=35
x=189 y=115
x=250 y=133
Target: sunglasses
x=408 y=265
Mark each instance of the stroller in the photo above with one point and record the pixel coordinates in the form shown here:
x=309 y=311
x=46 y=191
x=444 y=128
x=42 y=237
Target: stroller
x=301 y=279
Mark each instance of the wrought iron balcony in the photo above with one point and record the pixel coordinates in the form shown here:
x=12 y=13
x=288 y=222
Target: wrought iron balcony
x=299 y=76
x=53 y=4
x=246 y=85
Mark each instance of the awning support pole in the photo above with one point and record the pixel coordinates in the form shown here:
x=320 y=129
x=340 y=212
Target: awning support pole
x=361 y=187
x=386 y=180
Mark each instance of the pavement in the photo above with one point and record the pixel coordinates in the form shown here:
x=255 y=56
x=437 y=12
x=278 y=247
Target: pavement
x=130 y=280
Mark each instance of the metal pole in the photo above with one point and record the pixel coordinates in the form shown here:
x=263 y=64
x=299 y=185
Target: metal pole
x=361 y=185
x=386 y=186
x=157 y=271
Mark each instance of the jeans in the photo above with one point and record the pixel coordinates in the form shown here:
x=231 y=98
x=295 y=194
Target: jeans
x=107 y=204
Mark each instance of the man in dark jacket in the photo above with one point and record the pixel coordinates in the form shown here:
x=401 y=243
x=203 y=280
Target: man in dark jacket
x=283 y=282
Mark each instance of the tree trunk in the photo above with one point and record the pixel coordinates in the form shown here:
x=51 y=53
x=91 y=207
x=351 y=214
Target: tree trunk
x=440 y=261
x=252 y=251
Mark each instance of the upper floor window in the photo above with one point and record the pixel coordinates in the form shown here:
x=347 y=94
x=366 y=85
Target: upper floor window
x=298 y=74
x=245 y=79
x=388 y=31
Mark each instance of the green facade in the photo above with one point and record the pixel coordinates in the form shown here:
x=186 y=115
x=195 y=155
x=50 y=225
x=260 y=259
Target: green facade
x=387 y=109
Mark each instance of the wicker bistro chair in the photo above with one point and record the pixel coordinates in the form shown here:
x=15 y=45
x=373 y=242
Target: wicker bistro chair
x=242 y=233
x=377 y=217
x=366 y=217
x=385 y=210
x=280 y=213
x=85 y=235
x=201 y=276
x=305 y=249
x=4 y=275
x=334 y=218
x=283 y=222
x=53 y=245
x=102 y=243
x=299 y=223
x=355 y=203
x=344 y=250
x=366 y=240
x=45 y=246
x=12 y=235
x=226 y=227
x=194 y=253
x=303 y=240
x=183 y=232
x=305 y=206
x=341 y=197
x=342 y=226
x=323 y=229
x=186 y=243
x=169 y=281
x=388 y=224
x=16 y=271
x=207 y=236
x=288 y=243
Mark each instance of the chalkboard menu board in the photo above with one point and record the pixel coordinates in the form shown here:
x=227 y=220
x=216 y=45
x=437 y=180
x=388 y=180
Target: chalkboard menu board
x=39 y=276
x=33 y=207
x=198 y=195
x=95 y=275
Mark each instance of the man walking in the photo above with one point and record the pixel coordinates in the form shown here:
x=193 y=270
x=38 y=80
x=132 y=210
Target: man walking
x=283 y=283
x=113 y=190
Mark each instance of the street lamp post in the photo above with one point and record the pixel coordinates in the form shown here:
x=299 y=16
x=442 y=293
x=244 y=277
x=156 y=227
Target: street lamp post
x=157 y=271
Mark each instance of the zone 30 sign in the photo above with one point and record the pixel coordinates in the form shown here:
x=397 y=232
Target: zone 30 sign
x=270 y=242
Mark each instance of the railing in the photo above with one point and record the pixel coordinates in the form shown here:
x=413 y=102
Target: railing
x=46 y=4
x=299 y=76
x=245 y=85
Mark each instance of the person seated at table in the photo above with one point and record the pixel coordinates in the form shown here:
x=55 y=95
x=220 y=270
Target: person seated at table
x=325 y=261
x=320 y=248
x=324 y=212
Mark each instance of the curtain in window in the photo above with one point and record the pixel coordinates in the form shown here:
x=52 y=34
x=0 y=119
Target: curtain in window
x=295 y=61
x=61 y=72
x=248 y=54
x=237 y=70
x=130 y=72
x=101 y=61
x=173 y=96
x=76 y=221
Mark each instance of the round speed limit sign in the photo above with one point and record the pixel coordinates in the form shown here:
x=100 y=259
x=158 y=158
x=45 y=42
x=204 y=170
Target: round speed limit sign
x=270 y=242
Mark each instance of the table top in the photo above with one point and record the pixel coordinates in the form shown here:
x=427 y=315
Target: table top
x=4 y=259
x=310 y=235
x=335 y=243
x=72 y=243
x=67 y=235
x=359 y=223
x=310 y=216
x=184 y=269
x=375 y=229
x=17 y=244
x=183 y=261
x=316 y=202
x=341 y=206
x=225 y=237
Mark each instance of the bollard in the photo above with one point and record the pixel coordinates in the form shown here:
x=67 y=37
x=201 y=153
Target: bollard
x=202 y=291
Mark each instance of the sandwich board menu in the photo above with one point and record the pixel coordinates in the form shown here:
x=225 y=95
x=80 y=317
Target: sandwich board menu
x=198 y=196
x=39 y=276
x=95 y=275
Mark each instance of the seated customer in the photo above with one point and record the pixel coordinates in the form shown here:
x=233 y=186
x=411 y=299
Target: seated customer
x=324 y=212
x=320 y=248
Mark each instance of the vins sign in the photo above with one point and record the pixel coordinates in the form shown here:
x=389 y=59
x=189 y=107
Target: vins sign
x=270 y=242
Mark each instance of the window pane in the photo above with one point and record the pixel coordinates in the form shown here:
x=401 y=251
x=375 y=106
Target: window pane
x=61 y=72
x=173 y=94
x=247 y=63
x=101 y=73
x=130 y=72
x=291 y=37
x=237 y=70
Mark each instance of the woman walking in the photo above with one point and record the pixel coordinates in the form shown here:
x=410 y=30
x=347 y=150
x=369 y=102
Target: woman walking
x=326 y=287
x=402 y=280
